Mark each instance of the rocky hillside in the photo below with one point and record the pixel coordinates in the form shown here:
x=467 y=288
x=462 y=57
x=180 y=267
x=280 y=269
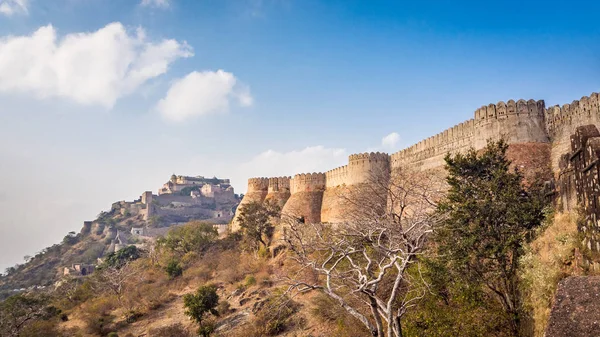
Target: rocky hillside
x=138 y=222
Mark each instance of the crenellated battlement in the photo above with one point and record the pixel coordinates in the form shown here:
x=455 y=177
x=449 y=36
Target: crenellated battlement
x=307 y=182
x=459 y=134
x=372 y=156
x=578 y=111
x=502 y=110
x=258 y=184
x=337 y=177
x=364 y=167
x=279 y=184
x=516 y=121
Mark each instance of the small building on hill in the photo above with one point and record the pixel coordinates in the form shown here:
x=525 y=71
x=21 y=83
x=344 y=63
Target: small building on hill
x=79 y=269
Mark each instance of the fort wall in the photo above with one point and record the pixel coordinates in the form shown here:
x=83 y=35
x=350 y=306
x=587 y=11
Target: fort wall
x=337 y=177
x=537 y=138
x=258 y=188
x=365 y=167
x=279 y=190
x=307 y=182
x=517 y=122
x=306 y=197
x=562 y=122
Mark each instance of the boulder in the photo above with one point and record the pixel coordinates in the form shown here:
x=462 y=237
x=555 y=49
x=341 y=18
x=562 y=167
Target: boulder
x=576 y=309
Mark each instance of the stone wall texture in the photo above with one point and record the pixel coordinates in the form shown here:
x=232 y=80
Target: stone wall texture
x=576 y=308
x=279 y=190
x=538 y=137
x=258 y=188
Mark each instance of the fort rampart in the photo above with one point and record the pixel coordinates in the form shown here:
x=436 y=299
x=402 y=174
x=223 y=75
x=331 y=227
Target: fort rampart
x=537 y=136
x=279 y=190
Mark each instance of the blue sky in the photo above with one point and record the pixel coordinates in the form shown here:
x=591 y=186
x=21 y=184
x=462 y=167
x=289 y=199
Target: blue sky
x=101 y=100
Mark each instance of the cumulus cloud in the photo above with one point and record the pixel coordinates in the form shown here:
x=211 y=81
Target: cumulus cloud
x=10 y=7
x=156 y=3
x=94 y=68
x=390 y=141
x=203 y=93
x=310 y=159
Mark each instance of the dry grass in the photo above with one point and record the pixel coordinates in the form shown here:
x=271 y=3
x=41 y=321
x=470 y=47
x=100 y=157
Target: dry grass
x=550 y=258
x=157 y=300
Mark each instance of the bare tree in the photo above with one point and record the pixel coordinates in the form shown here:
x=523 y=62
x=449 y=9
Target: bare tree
x=363 y=263
x=115 y=280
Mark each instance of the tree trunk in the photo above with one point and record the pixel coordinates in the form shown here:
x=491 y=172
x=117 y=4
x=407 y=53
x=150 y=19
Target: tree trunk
x=376 y=316
x=352 y=311
x=398 y=327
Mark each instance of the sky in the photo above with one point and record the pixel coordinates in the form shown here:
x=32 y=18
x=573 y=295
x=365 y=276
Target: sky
x=101 y=100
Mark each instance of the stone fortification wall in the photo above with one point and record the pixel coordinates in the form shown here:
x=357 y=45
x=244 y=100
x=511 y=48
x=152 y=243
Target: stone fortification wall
x=361 y=168
x=307 y=182
x=578 y=182
x=279 y=190
x=537 y=137
x=332 y=206
x=429 y=153
x=258 y=188
x=562 y=122
x=337 y=177
x=258 y=185
x=518 y=122
x=306 y=197
x=364 y=167
x=336 y=183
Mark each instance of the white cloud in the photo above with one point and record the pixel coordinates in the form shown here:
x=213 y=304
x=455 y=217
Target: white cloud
x=310 y=159
x=203 y=93
x=390 y=141
x=94 y=68
x=156 y=3
x=10 y=7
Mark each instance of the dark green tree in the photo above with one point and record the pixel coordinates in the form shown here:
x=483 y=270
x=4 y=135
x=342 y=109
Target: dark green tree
x=255 y=219
x=174 y=269
x=488 y=216
x=203 y=302
x=121 y=257
x=195 y=236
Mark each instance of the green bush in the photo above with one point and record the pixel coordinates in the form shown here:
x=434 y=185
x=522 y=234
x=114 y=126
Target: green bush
x=250 y=281
x=174 y=269
x=197 y=305
x=195 y=236
x=118 y=259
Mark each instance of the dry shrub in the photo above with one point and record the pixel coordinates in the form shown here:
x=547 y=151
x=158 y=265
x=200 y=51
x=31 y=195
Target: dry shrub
x=229 y=268
x=198 y=271
x=175 y=330
x=40 y=328
x=146 y=292
x=233 y=266
x=263 y=277
x=74 y=331
x=189 y=259
x=327 y=311
x=275 y=317
x=224 y=308
x=155 y=295
x=550 y=258
x=97 y=315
